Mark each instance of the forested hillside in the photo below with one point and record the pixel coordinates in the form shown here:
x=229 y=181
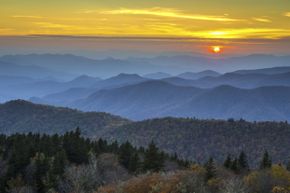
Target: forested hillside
x=200 y=139
x=192 y=139
x=22 y=117
x=69 y=163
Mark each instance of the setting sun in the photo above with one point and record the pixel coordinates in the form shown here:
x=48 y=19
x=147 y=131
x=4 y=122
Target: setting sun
x=216 y=49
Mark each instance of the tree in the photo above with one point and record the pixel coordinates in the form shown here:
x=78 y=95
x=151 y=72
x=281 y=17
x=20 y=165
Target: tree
x=153 y=160
x=235 y=185
x=243 y=162
x=134 y=163
x=76 y=147
x=125 y=154
x=228 y=162
x=266 y=161
x=42 y=166
x=235 y=166
x=210 y=169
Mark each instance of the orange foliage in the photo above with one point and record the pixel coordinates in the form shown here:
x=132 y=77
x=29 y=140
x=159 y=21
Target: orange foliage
x=146 y=183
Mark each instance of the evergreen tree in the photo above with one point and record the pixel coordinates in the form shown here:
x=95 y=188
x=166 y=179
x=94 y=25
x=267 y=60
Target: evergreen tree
x=59 y=162
x=134 y=163
x=266 y=161
x=228 y=162
x=125 y=154
x=210 y=169
x=114 y=147
x=153 y=160
x=76 y=147
x=42 y=166
x=243 y=162
x=235 y=166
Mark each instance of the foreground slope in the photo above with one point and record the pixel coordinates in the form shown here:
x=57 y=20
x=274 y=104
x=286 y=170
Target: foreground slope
x=21 y=116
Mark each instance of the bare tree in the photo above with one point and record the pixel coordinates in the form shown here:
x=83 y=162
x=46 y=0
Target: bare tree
x=81 y=179
x=235 y=185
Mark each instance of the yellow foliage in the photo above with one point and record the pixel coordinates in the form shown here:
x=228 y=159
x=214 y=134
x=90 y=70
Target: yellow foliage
x=154 y=183
x=197 y=169
x=278 y=189
x=214 y=183
x=280 y=172
x=251 y=178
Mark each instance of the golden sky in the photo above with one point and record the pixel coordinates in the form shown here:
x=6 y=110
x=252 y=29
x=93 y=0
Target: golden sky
x=209 y=19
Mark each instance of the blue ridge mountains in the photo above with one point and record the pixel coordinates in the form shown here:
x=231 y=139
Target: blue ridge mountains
x=150 y=91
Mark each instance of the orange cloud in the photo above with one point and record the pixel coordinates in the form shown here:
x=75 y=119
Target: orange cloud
x=167 y=12
x=265 y=20
x=28 y=17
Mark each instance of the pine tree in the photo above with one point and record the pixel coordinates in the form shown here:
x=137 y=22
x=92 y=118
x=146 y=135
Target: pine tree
x=228 y=162
x=59 y=163
x=125 y=154
x=134 y=163
x=210 y=169
x=266 y=161
x=153 y=160
x=235 y=166
x=42 y=166
x=243 y=162
x=76 y=147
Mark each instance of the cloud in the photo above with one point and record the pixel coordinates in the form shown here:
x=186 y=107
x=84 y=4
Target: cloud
x=287 y=14
x=51 y=25
x=28 y=17
x=265 y=20
x=243 y=33
x=167 y=12
x=5 y=29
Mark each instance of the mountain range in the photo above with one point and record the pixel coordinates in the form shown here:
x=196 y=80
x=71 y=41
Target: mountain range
x=159 y=99
x=252 y=94
x=190 y=138
x=65 y=66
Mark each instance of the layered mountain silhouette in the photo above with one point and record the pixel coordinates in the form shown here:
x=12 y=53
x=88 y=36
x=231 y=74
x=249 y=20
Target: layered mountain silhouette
x=247 y=80
x=198 y=75
x=77 y=65
x=20 y=116
x=65 y=97
x=159 y=99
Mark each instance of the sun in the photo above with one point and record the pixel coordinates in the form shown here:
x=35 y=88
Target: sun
x=216 y=49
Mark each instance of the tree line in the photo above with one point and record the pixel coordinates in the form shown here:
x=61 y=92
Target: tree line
x=41 y=161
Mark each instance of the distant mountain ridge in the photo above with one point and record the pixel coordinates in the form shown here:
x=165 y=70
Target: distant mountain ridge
x=159 y=99
x=168 y=64
x=157 y=75
x=198 y=75
x=243 y=80
x=20 y=116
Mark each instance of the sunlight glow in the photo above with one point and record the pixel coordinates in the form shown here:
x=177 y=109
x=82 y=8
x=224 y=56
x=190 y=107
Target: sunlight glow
x=216 y=49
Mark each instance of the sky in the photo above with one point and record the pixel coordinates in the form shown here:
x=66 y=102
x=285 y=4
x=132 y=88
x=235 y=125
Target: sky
x=145 y=26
